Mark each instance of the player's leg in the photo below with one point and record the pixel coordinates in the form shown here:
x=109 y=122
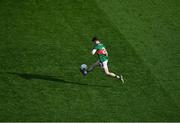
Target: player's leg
x=106 y=70
x=93 y=66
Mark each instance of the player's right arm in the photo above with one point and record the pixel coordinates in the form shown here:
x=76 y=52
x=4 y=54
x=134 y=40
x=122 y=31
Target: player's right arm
x=93 y=51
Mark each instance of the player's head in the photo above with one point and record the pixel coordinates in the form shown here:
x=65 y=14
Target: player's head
x=95 y=40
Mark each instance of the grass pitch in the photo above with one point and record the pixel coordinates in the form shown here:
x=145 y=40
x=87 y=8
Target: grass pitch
x=43 y=43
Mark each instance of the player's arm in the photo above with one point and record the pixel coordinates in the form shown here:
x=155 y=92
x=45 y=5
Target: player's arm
x=93 y=51
x=106 y=52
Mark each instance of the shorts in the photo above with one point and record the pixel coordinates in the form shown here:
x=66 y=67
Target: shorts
x=104 y=64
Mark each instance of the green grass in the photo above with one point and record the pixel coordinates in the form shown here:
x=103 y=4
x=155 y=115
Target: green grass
x=43 y=43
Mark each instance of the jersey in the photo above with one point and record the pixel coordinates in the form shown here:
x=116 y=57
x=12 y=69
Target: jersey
x=101 y=52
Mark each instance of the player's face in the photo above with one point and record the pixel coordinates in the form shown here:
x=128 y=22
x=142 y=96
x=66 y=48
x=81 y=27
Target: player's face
x=96 y=42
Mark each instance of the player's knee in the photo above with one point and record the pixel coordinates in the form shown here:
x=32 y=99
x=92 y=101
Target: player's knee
x=107 y=72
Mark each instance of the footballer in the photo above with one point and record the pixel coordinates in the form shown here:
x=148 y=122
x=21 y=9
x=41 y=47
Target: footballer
x=102 y=53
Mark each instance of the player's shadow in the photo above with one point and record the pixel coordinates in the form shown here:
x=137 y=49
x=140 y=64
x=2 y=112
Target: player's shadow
x=29 y=76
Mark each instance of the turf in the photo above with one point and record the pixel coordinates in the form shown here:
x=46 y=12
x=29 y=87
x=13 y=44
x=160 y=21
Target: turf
x=43 y=43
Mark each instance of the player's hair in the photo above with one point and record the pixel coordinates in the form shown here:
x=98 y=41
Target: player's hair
x=94 y=39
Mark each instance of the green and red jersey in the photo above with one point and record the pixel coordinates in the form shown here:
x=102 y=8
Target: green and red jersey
x=101 y=52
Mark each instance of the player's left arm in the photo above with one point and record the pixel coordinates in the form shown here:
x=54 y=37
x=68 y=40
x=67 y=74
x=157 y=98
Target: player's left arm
x=106 y=52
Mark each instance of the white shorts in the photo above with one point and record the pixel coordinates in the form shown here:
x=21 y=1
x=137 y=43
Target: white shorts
x=104 y=64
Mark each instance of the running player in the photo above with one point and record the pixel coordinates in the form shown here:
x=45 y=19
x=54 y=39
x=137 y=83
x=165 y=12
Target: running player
x=102 y=53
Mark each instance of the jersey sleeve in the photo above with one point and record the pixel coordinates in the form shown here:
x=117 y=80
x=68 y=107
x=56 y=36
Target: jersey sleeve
x=96 y=47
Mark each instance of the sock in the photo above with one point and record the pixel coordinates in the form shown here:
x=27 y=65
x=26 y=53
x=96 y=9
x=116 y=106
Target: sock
x=90 y=69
